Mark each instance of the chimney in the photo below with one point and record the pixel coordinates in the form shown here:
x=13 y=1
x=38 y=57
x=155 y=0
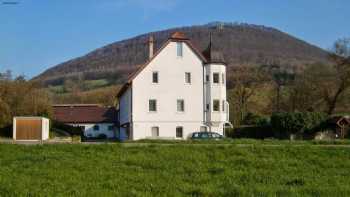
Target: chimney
x=151 y=46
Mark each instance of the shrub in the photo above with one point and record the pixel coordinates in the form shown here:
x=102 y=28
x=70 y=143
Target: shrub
x=256 y=132
x=254 y=119
x=299 y=123
x=6 y=132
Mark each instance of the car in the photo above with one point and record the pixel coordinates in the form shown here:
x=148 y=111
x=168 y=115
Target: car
x=206 y=136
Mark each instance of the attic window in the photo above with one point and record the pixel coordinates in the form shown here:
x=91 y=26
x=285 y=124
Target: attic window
x=179 y=46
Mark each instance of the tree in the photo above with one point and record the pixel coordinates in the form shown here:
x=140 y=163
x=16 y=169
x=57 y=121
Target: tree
x=304 y=93
x=246 y=80
x=22 y=98
x=280 y=77
x=333 y=90
x=322 y=87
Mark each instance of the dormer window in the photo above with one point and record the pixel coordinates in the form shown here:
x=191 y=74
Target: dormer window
x=179 y=46
x=155 y=77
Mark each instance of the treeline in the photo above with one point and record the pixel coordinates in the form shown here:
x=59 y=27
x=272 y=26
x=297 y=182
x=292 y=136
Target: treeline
x=263 y=90
x=19 y=97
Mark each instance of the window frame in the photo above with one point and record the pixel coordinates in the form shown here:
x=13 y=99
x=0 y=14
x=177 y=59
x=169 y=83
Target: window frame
x=189 y=75
x=182 y=132
x=216 y=101
x=153 y=77
x=223 y=108
x=110 y=128
x=155 y=105
x=218 y=78
x=183 y=105
x=207 y=78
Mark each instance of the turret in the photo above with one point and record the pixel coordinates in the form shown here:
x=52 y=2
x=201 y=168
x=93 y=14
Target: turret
x=216 y=106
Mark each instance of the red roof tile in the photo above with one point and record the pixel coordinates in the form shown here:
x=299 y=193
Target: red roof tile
x=82 y=113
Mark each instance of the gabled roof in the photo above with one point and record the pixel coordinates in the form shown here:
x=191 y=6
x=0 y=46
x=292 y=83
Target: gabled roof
x=177 y=36
x=84 y=113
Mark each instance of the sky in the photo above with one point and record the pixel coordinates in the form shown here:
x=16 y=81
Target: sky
x=38 y=34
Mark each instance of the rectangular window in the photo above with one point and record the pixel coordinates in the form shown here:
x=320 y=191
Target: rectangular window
x=179 y=46
x=216 y=77
x=188 y=77
x=208 y=107
x=216 y=105
x=180 y=105
x=152 y=105
x=223 y=106
x=155 y=77
x=179 y=132
x=223 y=78
x=110 y=128
x=96 y=128
x=155 y=131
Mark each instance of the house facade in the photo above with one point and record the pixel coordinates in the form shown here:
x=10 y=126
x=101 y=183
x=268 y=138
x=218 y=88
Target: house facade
x=178 y=91
x=95 y=120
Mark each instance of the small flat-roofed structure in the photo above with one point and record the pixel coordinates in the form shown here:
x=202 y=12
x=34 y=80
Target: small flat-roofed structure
x=31 y=128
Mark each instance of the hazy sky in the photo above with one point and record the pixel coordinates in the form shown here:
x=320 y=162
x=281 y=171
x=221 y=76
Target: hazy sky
x=38 y=34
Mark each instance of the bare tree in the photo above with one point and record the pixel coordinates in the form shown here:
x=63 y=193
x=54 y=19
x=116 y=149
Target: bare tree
x=246 y=80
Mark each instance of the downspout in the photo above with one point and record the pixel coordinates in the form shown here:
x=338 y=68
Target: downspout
x=204 y=98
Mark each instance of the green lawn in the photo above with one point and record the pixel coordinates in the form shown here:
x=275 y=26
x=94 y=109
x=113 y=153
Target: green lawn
x=175 y=170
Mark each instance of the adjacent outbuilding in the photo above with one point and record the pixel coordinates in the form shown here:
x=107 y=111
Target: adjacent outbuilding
x=96 y=121
x=31 y=128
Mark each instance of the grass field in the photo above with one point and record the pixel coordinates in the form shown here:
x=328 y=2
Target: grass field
x=175 y=170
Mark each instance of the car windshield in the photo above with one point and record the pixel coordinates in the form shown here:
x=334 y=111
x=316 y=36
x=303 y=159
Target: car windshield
x=205 y=135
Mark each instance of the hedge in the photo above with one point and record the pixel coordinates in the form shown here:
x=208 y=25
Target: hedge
x=300 y=123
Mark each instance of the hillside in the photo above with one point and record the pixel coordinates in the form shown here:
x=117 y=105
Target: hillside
x=240 y=44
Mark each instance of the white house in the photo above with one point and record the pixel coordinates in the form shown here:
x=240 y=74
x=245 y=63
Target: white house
x=178 y=91
x=95 y=120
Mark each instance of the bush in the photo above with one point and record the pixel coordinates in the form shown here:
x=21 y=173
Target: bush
x=297 y=123
x=256 y=132
x=254 y=119
x=6 y=132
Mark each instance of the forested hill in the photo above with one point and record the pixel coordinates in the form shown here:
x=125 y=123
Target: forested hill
x=240 y=44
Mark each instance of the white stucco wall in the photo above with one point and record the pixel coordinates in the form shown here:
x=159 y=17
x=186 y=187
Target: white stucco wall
x=45 y=128
x=90 y=132
x=171 y=86
x=216 y=91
